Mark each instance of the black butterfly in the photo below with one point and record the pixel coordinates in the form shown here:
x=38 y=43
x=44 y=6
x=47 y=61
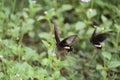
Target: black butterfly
x=64 y=44
x=97 y=39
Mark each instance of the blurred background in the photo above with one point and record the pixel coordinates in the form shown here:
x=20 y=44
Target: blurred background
x=27 y=40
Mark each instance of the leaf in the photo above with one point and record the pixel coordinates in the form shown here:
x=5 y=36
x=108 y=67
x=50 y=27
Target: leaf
x=45 y=61
x=41 y=18
x=62 y=78
x=117 y=26
x=2 y=15
x=104 y=19
x=66 y=7
x=91 y=13
x=50 y=13
x=104 y=73
x=27 y=25
x=30 y=54
x=56 y=74
x=106 y=55
x=45 y=35
x=46 y=43
x=15 y=32
x=99 y=67
x=114 y=64
x=80 y=25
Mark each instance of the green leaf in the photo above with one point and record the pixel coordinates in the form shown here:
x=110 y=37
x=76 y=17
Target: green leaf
x=99 y=67
x=80 y=25
x=104 y=74
x=106 y=55
x=41 y=18
x=45 y=35
x=117 y=26
x=56 y=74
x=15 y=32
x=45 y=61
x=91 y=13
x=104 y=19
x=50 y=13
x=27 y=25
x=66 y=7
x=62 y=78
x=2 y=16
x=30 y=54
x=114 y=64
x=46 y=44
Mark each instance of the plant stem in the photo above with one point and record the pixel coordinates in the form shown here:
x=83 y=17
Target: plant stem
x=14 y=4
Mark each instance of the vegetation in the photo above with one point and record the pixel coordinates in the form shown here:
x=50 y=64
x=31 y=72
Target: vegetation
x=27 y=42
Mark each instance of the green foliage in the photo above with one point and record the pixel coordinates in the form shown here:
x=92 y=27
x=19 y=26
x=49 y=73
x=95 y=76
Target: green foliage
x=28 y=47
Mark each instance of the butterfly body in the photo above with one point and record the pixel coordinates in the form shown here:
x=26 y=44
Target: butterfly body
x=64 y=46
x=97 y=39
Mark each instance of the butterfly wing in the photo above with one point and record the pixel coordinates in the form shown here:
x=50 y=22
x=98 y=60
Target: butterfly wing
x=56 y=33
x=96 y=40
x=100 y=38
x=68 y=40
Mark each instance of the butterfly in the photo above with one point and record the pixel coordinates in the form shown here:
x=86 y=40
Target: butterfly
x=97 y=39
x=63 y=45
